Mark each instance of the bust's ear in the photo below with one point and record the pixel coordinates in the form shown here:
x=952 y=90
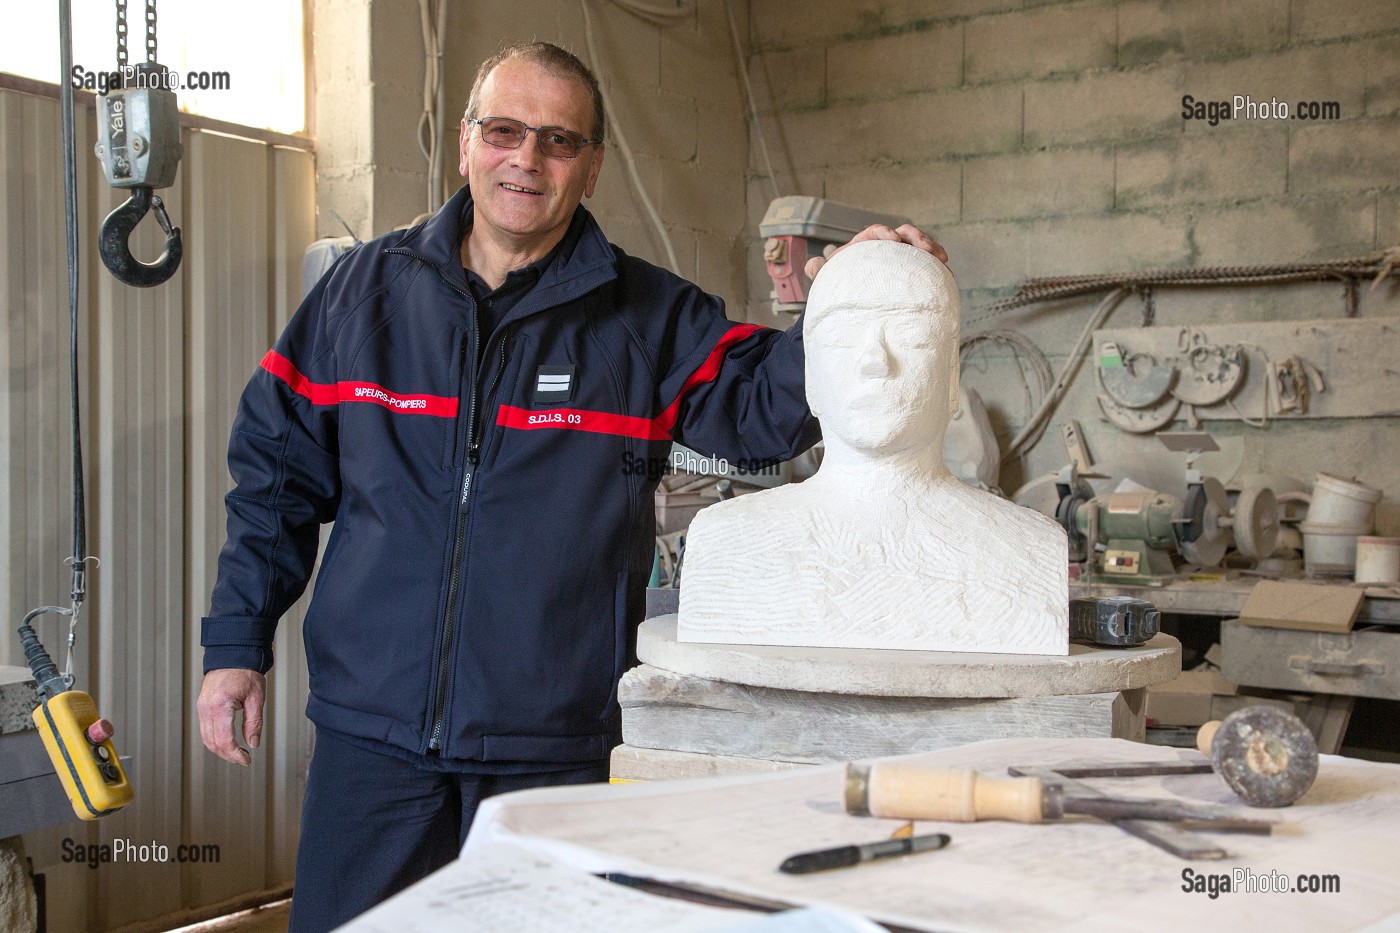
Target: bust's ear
x=953 y=389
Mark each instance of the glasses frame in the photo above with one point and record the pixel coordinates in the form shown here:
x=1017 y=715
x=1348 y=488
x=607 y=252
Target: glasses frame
x=537 y=130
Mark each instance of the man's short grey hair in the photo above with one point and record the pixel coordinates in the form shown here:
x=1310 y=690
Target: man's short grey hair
x=557 y=61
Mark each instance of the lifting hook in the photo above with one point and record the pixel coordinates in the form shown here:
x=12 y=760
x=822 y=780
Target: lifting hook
x=116 y=252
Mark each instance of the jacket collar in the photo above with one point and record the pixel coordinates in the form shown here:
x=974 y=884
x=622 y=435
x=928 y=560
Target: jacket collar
x=583 y=261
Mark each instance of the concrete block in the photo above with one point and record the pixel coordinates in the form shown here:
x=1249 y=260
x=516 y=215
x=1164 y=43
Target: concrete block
x=928 y=193
x=1156 y=30
x=1387 y=228
x=1106 y=105
x=720 y=270
x=398 y=198
x=1107 y=243
x=500 y=24
x=1060 y=181
x=784 y=25
x=18 y=904
x=700 y=64
x=1034 y=43
x=661 y=125
x=1192 y=169
x=986 y=255
x=910 y=61
x=792 y=79
x=709 y=202
x=1277 y=231
x=629 y=49
x=1327 y=19
x=896 y=13
x=1306 y=73
x=722 y=139
x=926 y=126
x=1351 y=155
x=616 y=197
x=1382 y=64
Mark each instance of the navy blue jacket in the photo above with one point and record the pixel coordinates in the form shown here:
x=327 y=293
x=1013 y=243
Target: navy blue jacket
x=493 y=528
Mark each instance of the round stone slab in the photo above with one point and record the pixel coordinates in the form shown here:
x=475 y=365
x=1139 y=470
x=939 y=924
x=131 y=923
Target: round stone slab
x=897 y=673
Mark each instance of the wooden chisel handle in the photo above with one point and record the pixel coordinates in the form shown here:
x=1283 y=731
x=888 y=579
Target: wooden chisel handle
x=910 y=792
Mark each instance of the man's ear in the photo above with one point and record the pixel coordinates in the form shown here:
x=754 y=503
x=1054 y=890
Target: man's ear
x=593 y=171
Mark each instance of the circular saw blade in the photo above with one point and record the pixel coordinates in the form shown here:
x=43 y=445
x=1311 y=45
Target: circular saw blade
x=1139 y=381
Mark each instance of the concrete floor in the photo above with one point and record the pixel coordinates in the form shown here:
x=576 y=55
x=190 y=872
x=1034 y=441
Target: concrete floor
x=271 y=918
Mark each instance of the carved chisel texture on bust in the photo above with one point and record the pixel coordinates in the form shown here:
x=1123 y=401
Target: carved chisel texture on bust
x=883 y=547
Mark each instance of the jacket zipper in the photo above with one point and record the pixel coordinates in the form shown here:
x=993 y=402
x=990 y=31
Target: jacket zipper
x=459 y=539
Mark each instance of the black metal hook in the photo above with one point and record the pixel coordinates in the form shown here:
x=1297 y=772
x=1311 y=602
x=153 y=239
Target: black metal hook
x=116 y=253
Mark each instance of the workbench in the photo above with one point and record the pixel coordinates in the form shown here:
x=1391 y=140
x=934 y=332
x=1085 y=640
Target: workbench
x=1221 y=598
x=729 y=835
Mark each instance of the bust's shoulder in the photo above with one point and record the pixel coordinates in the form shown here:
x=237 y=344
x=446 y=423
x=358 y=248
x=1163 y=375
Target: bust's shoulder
x=754 y=512
x=1013 y=522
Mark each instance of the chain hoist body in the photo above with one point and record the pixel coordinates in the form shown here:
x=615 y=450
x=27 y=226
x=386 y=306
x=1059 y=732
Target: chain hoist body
x=138 y=143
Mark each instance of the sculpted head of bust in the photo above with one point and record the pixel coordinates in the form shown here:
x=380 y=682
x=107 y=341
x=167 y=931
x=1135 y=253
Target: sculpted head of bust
x=881 y=343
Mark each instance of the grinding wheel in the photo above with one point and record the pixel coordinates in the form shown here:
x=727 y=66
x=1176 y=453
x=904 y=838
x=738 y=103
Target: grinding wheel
x=1204 y=538
x=1255 y=521
x=1267 y=756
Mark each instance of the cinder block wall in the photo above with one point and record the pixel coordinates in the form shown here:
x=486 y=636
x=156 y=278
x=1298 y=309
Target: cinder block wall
x=1043 y=139
x=675 y=90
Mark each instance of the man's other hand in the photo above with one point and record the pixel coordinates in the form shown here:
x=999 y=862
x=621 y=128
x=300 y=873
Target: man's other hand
x=225 y=692
x=905 y=233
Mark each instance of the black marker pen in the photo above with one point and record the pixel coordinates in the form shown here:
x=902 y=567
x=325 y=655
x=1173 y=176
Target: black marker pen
x=845 y=856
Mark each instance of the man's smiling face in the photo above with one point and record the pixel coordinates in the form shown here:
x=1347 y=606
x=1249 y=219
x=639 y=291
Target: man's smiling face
x=522 y=196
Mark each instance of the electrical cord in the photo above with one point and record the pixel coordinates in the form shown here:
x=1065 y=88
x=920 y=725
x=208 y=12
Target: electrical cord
x=645 y=12
x=1028 y=433
x=432 y=116
x=1022 y=347
x=743 y=67
x=45 y=672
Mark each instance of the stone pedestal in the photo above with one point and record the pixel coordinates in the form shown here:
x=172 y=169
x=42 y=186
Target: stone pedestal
x=694 y=710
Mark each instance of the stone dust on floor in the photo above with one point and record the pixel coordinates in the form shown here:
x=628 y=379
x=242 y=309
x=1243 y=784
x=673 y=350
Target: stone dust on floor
x=271 y=918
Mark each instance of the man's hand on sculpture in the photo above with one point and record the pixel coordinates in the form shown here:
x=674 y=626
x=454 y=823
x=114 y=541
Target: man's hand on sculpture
x=225 y=692
x=905 y=233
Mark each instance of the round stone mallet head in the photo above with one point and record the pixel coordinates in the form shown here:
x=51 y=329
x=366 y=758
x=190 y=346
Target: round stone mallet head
x=1267 y=756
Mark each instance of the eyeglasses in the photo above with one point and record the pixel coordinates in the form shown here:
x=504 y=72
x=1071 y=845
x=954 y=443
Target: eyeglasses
x=554 y=141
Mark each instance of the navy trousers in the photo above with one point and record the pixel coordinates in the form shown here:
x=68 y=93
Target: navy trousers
x=372 y=824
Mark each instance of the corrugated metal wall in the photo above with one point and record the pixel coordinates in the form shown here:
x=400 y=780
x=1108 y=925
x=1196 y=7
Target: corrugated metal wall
x=161 y=375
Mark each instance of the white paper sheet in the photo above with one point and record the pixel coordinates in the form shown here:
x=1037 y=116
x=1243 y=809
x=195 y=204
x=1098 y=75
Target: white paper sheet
x=731 y=834
x=501 y=888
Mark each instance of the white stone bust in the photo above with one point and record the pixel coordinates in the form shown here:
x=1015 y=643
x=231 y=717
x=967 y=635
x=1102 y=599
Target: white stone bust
x=882 y=547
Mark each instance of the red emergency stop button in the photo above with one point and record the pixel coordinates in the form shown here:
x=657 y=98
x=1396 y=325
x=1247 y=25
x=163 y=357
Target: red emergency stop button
x=100 y=731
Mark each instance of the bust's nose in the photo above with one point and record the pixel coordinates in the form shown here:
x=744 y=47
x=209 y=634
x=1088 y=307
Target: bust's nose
x=874 y=362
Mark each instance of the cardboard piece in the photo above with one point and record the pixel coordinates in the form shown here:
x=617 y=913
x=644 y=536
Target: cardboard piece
x=1310 y=607
x=1189 y=700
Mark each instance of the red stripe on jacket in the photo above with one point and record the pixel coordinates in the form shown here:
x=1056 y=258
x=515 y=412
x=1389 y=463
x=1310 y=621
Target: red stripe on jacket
x=333 y=394
x=648 y=429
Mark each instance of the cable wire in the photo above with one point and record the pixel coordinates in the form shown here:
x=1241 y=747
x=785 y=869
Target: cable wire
x=627 y=157
x=743 y=67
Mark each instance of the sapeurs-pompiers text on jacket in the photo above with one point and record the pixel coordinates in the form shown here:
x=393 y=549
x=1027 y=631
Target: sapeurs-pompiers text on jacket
x=482 y=585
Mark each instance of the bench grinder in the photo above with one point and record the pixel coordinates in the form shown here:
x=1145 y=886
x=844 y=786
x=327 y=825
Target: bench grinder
x=1139 y=530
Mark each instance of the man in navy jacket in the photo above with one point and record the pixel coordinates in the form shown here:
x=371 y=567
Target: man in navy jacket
x=467 y=400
